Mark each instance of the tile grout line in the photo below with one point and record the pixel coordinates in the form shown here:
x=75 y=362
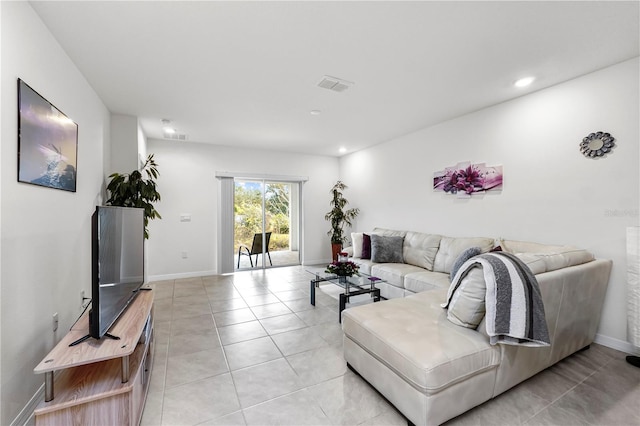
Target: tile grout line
x=270 y=335
x=233 y=380
x=580 y=383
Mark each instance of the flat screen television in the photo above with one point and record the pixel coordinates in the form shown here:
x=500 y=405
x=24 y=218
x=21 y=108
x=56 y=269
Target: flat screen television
x=117 y=252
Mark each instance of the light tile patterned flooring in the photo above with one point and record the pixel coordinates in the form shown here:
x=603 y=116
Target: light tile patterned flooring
x=249 y=349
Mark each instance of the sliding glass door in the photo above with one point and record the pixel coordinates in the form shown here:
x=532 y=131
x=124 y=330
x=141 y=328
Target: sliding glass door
x=266 y=228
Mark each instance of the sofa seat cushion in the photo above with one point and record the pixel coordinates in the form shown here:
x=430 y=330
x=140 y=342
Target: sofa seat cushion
x=388 y=291
x=393 y=273
x=364 y=265
x=416 y=282
x=413 y=337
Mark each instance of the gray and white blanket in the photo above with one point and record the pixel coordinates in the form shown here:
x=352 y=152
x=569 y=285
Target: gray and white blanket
x=514 y=308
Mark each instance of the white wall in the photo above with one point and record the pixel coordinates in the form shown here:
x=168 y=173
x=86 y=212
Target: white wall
x=188 y=185
x=142 y=144
x=45 y=233
x=552 y=194
x=125 y=143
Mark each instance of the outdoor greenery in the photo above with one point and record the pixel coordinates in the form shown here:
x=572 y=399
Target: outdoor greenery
x=248 y=214
x=132 y=190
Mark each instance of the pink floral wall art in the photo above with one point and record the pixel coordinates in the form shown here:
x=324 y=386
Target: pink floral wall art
x=465 y=179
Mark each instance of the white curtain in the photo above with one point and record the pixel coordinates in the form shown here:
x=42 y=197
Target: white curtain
x=225 y=225
x=633 y=285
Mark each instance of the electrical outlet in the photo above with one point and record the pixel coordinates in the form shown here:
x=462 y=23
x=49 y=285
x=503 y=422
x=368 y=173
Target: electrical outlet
x=55 y=321
x=184 y=255
x=84 y=300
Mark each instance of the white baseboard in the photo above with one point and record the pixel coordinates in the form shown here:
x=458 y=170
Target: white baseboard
x=25 y=417
x=617 y=344
x=179 y=276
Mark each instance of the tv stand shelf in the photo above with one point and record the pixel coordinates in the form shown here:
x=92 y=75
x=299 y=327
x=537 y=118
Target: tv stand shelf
x=88 y=372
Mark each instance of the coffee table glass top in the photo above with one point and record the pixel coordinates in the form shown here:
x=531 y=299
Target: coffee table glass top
x=361 y=280
x=353 y=286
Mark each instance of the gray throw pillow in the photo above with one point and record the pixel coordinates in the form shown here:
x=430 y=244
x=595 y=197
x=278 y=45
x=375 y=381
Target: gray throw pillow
x=463 y=257
x=386 y=249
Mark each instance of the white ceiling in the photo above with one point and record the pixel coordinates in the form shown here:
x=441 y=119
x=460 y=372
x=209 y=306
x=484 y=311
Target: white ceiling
x=245 y=74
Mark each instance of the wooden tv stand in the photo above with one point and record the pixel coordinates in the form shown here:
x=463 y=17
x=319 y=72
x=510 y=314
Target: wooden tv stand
x=100 y=381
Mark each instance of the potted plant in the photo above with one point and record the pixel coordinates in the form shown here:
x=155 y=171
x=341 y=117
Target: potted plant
x=132 y=190
x=342 y=269
x=339 y=217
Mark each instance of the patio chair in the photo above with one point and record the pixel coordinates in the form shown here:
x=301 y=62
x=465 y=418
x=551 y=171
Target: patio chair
x=256 y=248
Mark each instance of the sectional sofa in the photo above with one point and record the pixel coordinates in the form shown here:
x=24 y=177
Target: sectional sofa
x=431 y=366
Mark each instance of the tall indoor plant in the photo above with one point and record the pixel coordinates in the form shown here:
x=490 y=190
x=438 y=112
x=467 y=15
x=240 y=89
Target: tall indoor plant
x=132 y=190
x=339 y=217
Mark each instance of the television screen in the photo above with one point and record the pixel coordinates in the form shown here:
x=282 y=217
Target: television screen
x=118 y=264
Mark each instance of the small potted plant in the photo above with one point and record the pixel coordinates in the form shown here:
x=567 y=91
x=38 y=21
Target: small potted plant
x=132 y=190
x=339 y=217
x=342 y=269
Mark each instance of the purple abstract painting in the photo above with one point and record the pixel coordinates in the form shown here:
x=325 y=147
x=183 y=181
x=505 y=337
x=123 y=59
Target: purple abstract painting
x=465 y=179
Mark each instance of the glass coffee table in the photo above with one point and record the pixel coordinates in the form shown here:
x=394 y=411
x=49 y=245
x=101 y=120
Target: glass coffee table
x=353 y=286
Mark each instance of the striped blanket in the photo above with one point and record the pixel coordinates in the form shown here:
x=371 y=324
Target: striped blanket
x=514 y=308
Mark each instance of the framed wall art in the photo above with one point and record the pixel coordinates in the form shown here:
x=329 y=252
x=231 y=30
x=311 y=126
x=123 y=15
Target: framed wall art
x=47 y=142
x=465 y=179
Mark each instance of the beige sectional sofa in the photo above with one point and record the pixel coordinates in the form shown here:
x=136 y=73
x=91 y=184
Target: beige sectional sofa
x=432 y=369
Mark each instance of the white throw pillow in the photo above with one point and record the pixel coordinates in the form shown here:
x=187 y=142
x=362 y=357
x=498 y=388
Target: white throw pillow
x=356 y=243
x=467 y=305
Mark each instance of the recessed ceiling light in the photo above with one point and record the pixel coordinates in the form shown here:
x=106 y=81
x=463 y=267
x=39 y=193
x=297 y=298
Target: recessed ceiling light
x=524 y=82
x=316 y=112
x=166 y=126
x=169 y=132
x=342 y=150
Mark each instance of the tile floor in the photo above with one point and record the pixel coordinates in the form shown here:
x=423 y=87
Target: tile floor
x=249 y=349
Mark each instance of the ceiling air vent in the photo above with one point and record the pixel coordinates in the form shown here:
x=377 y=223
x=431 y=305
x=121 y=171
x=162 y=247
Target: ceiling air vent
x=176 y=136
x=335 y=84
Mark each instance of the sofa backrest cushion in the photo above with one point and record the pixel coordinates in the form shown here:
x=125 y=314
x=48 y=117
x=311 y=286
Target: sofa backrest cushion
x=389 y=232
x=420 y=249
x=386 y=249
x=450 y=248
x=553 y=257
x=535 y=263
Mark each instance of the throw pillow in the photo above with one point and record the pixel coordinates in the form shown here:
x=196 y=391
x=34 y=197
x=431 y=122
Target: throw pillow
x=386 y=249
x=467 y=306
x=356 y=243
x=463 y=257
x=366 y=246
